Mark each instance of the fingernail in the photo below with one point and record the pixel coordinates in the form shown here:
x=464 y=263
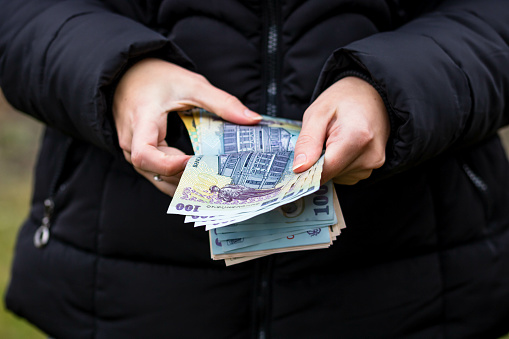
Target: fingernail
x=252 y=115
x=299 y=161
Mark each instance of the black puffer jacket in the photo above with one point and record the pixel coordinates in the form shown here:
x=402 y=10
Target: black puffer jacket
x=426 y=249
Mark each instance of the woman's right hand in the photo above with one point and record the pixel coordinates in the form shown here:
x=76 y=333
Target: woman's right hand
x=147 y=92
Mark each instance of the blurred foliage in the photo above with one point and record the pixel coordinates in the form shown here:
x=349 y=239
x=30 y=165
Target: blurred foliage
x=504 y=133
x=19 y=137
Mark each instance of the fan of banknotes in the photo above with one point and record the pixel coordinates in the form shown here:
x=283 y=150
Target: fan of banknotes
x=241 y=187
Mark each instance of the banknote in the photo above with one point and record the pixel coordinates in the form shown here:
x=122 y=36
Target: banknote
x=241 y=257
x=240 y=182
x=190 y=123
x=286 y=196
x=214 y=136
x=260 y=233
x=241 y=187
x=312 y=237
x=246 y=242
x=297 y=190
x=320 y=213
x=311 y=208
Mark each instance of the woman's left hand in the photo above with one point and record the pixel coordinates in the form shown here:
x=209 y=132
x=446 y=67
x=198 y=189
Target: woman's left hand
x=351 y=119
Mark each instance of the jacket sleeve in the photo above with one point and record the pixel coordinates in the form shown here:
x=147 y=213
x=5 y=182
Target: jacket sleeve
x=444 y=75
x=60 y=60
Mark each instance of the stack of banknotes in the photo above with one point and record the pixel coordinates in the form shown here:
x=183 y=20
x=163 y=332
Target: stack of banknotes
x=241 y=187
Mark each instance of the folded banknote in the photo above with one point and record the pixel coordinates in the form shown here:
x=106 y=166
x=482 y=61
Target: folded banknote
x=241 y=187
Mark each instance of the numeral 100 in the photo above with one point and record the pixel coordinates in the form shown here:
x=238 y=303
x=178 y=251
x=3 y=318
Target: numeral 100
x=187 y=208
x=320 y=199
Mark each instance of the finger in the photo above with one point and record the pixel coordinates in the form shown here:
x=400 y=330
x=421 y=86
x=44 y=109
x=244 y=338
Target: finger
x=163 y=147
x=226 y=106
x=127 y=156
x=309 y=145
x=336 y=161
x=169 y=163
x=352 y=178
x=339 y=156
x=173 y=180
x=147 y=156
x=352 y=158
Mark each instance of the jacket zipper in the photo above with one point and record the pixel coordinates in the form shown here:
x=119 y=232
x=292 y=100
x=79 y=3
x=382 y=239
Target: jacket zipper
x=483 y=190
x=42 y=234
x=272 y=60
x=263 y=288
x=262 y=298
x=481 y=187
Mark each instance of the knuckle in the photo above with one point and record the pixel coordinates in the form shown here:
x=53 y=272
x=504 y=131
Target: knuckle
x=354 y=178
x=309 y=115
x=201 y=78
x=364 y=136
x=168 y=172
x=376 y=159
x=304 y=140
x=231 y=100
x=201 y=82
x=137 y=159
x=200 y=85
x=171 y=166
x=124 y=144
x=346 y=180
x=364 y=174
x=379 y=161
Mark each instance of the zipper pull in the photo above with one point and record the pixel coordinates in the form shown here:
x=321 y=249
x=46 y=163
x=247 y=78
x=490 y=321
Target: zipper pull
x=41 y=236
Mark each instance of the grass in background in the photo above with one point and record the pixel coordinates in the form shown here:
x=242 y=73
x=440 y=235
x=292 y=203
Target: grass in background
x=19 y=137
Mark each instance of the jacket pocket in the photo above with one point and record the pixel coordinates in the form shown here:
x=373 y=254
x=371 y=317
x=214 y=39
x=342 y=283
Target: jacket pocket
x=485 y=167
x=69 y=155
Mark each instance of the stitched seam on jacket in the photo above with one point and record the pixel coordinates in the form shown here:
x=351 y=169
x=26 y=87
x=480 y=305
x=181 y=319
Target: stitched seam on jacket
x=467 y=79
x=443 y=317
x=99 y=223
x=439 y=253
x=417 y=134
x=172 y=264
x=50 y=43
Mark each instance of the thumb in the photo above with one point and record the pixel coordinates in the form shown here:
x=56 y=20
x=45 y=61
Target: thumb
x=309 y=145
x=226 y=106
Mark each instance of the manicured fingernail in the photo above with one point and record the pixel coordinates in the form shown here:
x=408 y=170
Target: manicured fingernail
x=252 y=115
x=299 y=161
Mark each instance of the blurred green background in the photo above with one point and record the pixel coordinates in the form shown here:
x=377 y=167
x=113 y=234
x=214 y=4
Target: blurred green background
x=19 y=137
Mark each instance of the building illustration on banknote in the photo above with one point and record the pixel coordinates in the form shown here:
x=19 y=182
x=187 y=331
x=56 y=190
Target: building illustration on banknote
x=254 y=170
x=241 y=181
x=258 y=138
x=244 y=161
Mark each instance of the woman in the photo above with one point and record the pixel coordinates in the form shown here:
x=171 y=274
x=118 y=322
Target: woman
x=406 y=96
